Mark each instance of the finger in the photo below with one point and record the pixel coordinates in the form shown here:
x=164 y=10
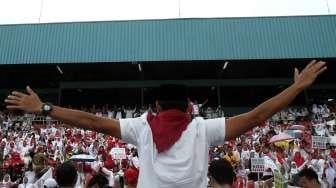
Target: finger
x=322 y=70
x=13 y=107
x=311 y=63
x=18 y=94
x=30 y=91
x=10 y=101
x=13 y=97
x=318 y=66
x=296 y=74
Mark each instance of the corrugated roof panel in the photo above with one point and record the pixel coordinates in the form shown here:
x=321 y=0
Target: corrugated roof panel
x=165 y=40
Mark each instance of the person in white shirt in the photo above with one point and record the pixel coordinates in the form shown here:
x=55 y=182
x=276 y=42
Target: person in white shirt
x=173 y=147
x=135 y=162
x=30 y=174
x=245 y=155
x=109 y=175
x=119 y=113
x=196 y=107
x=50 y=183
x=130 y=112
x=24 y=149
x=25 y=183
x=330 y=174
x=237 y=152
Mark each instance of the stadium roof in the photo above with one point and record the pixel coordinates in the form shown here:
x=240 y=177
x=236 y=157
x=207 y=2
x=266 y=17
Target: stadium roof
x=170 y=40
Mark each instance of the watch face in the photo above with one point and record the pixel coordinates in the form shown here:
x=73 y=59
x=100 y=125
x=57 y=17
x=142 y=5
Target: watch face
x=46 y=107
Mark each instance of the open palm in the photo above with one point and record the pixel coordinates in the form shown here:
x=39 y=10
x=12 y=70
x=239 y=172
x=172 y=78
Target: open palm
x=308 y=75
x=27 y=102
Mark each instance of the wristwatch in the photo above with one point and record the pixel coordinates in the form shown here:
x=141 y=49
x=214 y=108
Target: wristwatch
x=46 y=108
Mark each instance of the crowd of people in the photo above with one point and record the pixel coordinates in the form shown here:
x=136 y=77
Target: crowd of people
x=33 y=146
x=289 y=156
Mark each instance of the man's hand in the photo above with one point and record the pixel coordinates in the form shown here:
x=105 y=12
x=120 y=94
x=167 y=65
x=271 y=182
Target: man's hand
x=31 y=103
x=308 y=74
x=27 y=102
x=238 y=125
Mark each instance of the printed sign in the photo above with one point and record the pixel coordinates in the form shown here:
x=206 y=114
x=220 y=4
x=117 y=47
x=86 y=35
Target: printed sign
x=118 y=153
x=279 y=180
x=257 y=165
x=319 y=142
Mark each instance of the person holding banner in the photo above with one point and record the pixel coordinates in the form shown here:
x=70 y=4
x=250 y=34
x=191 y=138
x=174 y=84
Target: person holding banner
x=173 y=147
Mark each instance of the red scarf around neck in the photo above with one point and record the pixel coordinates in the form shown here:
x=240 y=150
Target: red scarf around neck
x=167 y=127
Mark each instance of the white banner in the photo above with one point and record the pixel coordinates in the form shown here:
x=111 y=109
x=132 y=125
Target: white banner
x=118 y=153
x=257 y=165
x=319 y=142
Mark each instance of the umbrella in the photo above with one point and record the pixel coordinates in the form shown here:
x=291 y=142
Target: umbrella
x=83 y=158
x=280 y=137
x=297 y=127
x=294 y=133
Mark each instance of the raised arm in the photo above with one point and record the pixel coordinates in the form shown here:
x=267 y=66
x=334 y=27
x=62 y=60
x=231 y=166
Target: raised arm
x=31 y=103
x=238 y=125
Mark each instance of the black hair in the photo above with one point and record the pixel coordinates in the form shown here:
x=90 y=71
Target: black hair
x=135 y=154
x=308 y=173
x=177 y=105
x=272 y=132
x=173 y=96
x=99 y=180
x=66 y=174
x=222 y=171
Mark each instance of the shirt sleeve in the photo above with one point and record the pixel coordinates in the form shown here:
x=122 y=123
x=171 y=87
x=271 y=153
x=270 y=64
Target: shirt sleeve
x=215 y=131
x=130 y=129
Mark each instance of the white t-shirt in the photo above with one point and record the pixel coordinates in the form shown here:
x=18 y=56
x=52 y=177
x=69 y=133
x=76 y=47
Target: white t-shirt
x=135 y=162
x=110 y=114
x=119 y=115
x=185 y=164
x=245 y=155
x=129 y=113
x=330 y=174
x=31 y=176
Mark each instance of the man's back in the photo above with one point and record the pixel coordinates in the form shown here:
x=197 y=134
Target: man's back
x=185 y=163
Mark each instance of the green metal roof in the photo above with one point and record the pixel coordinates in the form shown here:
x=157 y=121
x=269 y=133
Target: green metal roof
x=167 y=40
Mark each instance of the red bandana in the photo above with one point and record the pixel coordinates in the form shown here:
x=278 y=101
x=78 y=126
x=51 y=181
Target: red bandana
x=167 y=127
x=298 y=159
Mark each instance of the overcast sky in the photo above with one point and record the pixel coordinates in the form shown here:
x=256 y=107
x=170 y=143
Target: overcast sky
x=43 y=11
